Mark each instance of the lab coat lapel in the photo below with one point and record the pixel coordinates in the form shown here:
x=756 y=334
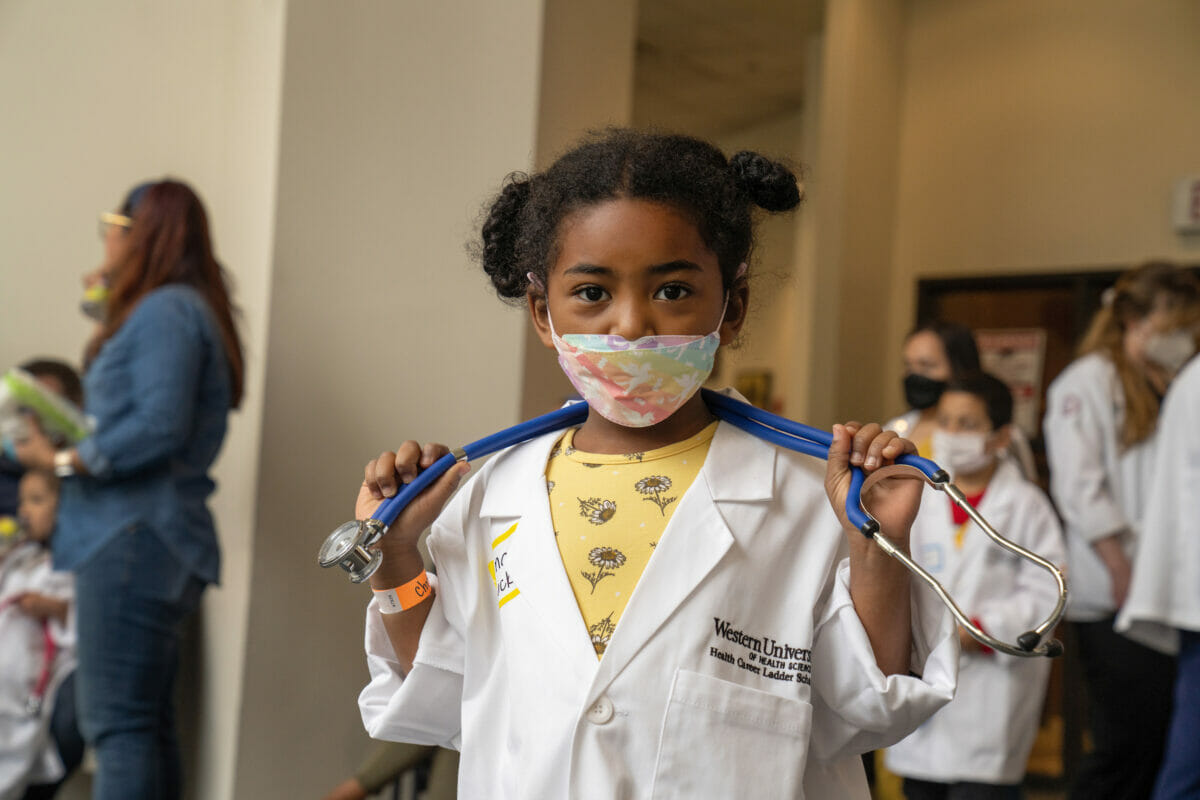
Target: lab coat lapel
x=726 y=503
x=518 y=494
x=996 y=506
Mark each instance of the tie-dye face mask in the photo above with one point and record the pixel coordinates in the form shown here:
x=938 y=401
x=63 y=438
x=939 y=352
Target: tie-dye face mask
x=640 y=383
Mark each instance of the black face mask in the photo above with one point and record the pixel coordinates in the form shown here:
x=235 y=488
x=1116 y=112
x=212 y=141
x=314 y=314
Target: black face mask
x=921 y=392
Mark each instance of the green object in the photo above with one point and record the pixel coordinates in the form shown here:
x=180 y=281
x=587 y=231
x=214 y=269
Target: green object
x=20 y=392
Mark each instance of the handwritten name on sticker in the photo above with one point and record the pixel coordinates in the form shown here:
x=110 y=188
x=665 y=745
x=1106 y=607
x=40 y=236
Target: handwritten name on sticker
x=506 y=588
x=762 y=655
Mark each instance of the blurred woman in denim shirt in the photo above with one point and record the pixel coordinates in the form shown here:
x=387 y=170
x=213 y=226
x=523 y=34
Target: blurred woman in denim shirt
x=164 y=369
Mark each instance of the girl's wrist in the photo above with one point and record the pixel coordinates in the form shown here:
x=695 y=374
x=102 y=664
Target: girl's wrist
x=398 y=567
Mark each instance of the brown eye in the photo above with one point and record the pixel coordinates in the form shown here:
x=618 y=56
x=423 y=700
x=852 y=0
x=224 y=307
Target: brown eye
x=672 y=291
x=591 y=294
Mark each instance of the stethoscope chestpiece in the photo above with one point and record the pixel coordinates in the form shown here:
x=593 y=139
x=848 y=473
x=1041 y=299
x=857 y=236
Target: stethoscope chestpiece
x=349 y=547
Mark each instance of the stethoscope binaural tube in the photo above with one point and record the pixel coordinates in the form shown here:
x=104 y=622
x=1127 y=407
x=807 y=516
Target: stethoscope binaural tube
x=351 y=546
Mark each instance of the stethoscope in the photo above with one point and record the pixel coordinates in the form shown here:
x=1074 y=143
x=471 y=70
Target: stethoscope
x=351 y=545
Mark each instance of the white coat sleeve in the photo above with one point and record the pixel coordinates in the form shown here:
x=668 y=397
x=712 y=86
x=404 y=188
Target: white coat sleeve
x=1030 y=598
x=424 y=706
x=856 y=707
x=1164 y=594
x=1074 y=449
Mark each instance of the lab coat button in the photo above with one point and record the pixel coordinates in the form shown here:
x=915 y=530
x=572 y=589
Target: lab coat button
x=600 y=712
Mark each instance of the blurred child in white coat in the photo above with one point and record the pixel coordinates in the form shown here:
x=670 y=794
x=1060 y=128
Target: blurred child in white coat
x=977 y=745
x=37 y=646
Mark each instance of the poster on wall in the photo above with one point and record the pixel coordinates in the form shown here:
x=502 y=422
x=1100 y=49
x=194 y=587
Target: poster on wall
x=1017 y=356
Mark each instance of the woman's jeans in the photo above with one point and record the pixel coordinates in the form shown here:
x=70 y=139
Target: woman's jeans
x=1180 y=774
x=133 y=598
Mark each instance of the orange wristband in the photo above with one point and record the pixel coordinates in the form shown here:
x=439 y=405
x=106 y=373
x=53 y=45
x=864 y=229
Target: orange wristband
x=404 y=597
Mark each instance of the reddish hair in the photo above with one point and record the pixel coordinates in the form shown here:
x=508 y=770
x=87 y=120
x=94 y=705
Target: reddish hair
x=169 y=243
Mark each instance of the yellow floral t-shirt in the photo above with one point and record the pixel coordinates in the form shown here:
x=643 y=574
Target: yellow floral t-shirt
x=609 y=512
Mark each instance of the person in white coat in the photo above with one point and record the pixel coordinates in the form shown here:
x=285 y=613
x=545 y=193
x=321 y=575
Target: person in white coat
x=1100 y=428
x=976 y=747
x=1162 y=609
x=37 y=643
x=764 y=644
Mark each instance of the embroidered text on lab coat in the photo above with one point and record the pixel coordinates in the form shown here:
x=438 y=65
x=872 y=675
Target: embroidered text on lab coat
x=763 y=655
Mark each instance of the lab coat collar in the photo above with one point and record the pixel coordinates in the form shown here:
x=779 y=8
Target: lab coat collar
x=751 y=480
x=999 y=493
x=517 y=491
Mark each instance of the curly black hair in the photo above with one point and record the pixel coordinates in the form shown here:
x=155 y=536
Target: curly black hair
x=520 y=232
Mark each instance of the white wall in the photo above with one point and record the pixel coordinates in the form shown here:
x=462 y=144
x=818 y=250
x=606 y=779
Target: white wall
x=99 y=96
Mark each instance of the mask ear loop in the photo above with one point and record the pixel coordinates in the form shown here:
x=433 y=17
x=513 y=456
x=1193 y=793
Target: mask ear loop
x=741 y=270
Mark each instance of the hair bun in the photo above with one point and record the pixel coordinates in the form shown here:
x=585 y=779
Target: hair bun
x=500 y=232
x=767 y=183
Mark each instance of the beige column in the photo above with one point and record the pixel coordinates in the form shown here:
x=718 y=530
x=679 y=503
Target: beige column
x=853 y=195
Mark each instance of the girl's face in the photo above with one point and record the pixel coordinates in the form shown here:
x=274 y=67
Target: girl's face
x=37 y=505
x=635 y=268
x=925 y=355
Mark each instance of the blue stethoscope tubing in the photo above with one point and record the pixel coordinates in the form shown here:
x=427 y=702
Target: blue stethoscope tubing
x=792 y=436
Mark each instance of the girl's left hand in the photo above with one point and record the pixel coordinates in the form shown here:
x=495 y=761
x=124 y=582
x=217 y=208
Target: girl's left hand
x=35 y=451
x=893 y=502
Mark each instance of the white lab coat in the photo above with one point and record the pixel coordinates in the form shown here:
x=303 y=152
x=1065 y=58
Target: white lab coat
x=1164 y=594
x=1098 y=487
x=704 y=687
x=984 y=735
x=27 y=753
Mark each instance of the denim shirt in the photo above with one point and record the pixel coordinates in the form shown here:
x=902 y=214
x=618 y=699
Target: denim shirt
x=159 y=391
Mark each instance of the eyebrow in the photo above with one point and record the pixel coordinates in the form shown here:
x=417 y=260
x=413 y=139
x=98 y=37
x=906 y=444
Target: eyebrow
x=679 y=265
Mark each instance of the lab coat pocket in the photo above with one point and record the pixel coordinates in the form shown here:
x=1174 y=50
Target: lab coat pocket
x=721 y=739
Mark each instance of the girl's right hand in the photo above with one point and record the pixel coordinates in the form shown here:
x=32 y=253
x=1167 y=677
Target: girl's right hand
x=383 y=478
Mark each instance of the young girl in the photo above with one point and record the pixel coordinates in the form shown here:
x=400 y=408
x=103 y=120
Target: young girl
x=654 y=604
x=37 y=642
